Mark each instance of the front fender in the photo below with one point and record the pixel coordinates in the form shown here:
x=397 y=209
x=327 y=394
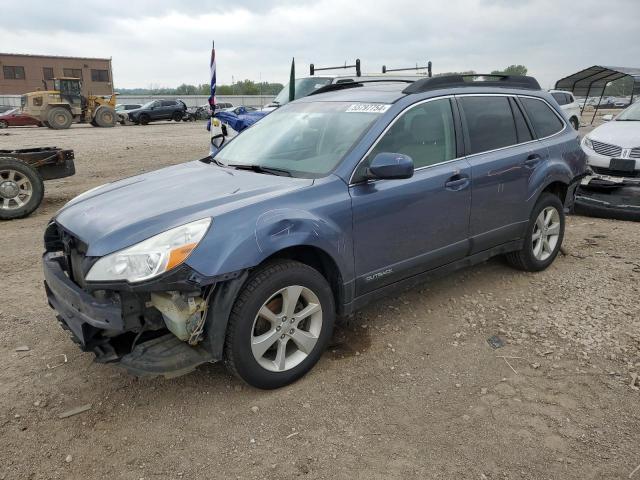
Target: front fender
x=320 y=218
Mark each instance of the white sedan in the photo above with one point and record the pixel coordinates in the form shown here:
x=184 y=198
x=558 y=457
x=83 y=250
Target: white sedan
x=613 y=149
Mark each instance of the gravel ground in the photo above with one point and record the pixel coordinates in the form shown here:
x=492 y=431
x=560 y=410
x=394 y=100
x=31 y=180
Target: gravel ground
x=410 y=388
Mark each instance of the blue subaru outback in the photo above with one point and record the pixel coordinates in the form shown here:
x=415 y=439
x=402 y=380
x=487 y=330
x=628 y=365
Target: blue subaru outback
x=323 y=206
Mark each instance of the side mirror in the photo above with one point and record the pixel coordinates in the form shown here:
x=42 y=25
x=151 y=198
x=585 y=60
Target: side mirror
x=390 y=166
x=607 y=118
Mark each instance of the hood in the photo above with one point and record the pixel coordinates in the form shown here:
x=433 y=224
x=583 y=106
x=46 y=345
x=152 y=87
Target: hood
x=122 y=213
x=622 y=134
x=134 y=110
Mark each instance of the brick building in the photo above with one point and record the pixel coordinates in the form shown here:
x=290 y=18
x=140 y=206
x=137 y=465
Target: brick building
x=26 y=73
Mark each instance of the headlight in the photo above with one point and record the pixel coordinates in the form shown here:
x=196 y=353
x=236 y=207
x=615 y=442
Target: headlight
x=586 y=141
x=151 y=257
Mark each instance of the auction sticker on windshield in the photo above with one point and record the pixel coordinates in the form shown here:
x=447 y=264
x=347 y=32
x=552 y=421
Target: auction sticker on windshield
x=368 y=107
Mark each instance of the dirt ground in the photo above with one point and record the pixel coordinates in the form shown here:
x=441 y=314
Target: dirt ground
x=409 y=389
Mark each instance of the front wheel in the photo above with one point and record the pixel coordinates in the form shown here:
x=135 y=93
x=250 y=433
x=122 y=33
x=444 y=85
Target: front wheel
x=280 y=324
x=176 y=117
x=105 y=117
x=4 y=124
x=544 y=236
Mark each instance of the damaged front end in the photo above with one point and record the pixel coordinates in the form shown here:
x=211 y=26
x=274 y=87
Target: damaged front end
x=162 y=326
x=609 y=194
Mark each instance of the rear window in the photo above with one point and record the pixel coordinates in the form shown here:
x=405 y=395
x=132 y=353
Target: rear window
x=545 y=121
x=489 y=123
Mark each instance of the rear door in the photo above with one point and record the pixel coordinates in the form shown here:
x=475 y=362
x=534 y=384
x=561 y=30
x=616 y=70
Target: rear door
x=503 y=155
x=168 y=107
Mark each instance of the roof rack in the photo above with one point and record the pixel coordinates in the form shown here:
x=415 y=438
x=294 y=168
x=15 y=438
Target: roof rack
x=428 y=67
x=485 y=80
x=354 y=83
x=313 y=68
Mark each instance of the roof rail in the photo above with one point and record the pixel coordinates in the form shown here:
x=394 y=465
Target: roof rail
x=428 y=68
x=485 y=80
x=354 y=83
x=313 y=68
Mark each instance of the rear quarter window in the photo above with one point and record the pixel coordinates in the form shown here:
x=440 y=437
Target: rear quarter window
x=545 y=121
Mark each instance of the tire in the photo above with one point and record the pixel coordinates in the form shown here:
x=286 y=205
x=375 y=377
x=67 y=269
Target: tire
x=93 y=123
x=28 y=195
x=177 y=116
x=105 y=117
x=59 y=118
x=574 y=123
x=143 y=119
x=4 y=124
x=530 y=258
x=264 y=288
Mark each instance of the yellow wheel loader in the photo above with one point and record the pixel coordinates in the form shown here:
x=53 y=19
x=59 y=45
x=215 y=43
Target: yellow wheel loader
x=65 y=104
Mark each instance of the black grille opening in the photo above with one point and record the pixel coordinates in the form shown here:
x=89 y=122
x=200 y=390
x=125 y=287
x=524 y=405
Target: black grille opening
x=616 y=173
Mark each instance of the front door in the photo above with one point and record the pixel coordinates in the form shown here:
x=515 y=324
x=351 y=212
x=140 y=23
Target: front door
x=405 y=227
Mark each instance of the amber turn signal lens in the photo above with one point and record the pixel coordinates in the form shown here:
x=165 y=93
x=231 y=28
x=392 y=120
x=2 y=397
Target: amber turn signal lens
x=179 y=255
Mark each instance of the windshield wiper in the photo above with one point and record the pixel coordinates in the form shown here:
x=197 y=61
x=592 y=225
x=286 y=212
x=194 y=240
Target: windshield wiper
x=260 y=169
x=218 y=162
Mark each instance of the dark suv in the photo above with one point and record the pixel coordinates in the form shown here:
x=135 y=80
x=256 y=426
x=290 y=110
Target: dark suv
x=326 y=204
x=158 y=110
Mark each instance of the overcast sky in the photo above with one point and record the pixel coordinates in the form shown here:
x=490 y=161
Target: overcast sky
x=166 y=43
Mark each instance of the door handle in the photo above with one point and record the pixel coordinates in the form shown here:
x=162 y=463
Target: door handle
x=457 y=182
x=532 y=160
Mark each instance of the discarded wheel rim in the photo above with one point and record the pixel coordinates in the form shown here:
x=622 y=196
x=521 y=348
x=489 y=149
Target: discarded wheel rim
x=15 y=190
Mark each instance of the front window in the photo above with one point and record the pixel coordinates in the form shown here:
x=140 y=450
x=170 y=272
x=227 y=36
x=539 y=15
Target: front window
x=304 y=86
x=631 y=114
x=305 y=140
x=152 y=103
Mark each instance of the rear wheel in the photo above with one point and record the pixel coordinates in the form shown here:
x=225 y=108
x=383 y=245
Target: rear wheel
x=280 y=324
x=177 y=116
x=21 y=189
x=544 y=236
x=59 y=118
x=105 y=117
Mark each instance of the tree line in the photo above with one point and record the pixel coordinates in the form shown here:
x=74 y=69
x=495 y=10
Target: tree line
x=244 y=87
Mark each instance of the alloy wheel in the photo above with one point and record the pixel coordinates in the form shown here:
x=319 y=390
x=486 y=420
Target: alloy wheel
x=15 y=190
x=286 y=328
x=546 y=233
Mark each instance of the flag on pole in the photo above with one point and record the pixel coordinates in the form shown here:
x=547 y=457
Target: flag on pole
x=212 y=71
x=292 y=81
x=214 y=125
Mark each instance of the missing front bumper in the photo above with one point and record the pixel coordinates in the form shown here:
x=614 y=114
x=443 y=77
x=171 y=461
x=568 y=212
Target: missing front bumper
x=102 y=328
x=609 y=197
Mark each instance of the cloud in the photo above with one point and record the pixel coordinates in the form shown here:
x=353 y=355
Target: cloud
x=167 y=42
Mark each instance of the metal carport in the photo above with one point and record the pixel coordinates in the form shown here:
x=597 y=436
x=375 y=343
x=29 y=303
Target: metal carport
x=593 y=81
